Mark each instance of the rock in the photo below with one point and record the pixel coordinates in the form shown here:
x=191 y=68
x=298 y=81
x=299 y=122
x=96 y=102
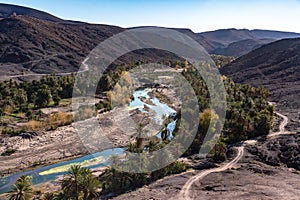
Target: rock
x=279 y=150
x=29 y=135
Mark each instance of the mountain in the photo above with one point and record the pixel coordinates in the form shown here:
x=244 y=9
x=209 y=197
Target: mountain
x=276 y=35
x=227 y=36
x=197 y=37
x=31 y=45
x=241 y=47
x=200 y=39
x=41 y=46
x=7 y=10
x=238 y=42
x=33 y=41
x=275 y=66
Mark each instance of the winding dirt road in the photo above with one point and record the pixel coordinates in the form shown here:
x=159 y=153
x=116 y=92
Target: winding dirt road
x=282 y=126
x=185 y=193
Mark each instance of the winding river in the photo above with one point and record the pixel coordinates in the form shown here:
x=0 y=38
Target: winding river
x=101 y=159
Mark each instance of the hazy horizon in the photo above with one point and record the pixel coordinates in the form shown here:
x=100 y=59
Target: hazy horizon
x=199 y=16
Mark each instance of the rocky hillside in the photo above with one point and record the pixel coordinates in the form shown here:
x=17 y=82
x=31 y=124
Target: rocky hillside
x=242 y=47
x=276 y=35
x=31 y=45
x=7 y=10
x=276 y=67
x=40 y=46
x=282 y=150
x=209 y=46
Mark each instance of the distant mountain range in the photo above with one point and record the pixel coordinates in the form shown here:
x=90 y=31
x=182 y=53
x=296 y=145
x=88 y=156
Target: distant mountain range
x=234 y=42
x=228 y=36
x=39 y=42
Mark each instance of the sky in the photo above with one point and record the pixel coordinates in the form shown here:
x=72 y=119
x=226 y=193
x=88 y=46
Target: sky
x=198 y=15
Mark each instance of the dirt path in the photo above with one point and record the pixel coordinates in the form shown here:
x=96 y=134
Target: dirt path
x=185 y=193
x=282 y=126
x=86 y=68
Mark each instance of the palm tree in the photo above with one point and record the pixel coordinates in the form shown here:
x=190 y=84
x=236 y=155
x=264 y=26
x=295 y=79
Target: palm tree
x=71 y=182
x=22 y=189
x=90 y=185
x=80 y=182
x=49 y=196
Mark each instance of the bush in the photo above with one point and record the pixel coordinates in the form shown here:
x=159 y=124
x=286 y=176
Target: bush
x=174 y=168
x=52 y=128
x=30 y=114
x=10 y=131
x=85 y=112
x=119 y=182
x=52 y=123
x=60 y=119
x=35 y=125
x=218 y=153
x=8 y=152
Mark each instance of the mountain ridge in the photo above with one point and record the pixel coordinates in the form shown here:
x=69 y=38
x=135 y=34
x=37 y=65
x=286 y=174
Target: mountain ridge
x=26 y=46
x=7 y=10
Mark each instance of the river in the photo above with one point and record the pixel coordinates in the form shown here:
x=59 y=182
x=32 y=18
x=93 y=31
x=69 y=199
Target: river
x=93 y=161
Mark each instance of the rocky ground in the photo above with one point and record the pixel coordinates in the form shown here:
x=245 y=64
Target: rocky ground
x=248 y=180
x=46 y=148
x=283 y=150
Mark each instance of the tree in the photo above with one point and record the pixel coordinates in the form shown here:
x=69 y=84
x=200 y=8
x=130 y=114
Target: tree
x=153 y=145
x=90 y=185
x=43 y=97
x=56 y=99
x=1 y=114
x=49 y=196
x=219 y=150
x=22 y=189
x=71 y=182
x=80 y=183
x=208 y=119
x=22 y=99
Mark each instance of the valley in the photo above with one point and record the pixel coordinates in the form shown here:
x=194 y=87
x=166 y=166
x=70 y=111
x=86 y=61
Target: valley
x=150 y=124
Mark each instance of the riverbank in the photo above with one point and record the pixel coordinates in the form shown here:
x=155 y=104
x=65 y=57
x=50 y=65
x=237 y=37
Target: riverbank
x=60 y=145
x=44 y=149
x=65 y=143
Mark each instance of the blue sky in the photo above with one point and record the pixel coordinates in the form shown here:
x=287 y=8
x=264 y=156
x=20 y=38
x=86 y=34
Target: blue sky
x=198 y=15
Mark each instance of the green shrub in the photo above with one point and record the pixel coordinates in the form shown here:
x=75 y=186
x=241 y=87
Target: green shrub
x=11 y=131
x=8 y=152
